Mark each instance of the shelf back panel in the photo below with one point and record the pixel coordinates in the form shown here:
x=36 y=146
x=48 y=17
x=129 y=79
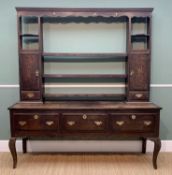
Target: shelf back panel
x=84 y=38
x=85 y=68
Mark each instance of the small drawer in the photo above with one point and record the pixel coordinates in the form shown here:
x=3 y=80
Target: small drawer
x=30 y=95
x=138 y=96
x=36 y=122
x=85 y=122
x=133 y=122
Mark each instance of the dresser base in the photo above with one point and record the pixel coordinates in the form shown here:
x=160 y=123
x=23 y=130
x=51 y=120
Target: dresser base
x=85 y=121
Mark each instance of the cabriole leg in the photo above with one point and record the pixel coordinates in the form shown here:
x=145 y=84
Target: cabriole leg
x=12 y=147
x=157 y=147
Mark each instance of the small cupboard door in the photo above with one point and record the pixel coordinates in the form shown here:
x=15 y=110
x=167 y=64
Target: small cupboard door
x=139 y=70
x=29 y=72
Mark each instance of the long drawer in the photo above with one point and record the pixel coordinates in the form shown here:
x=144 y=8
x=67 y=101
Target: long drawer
x=91 y=122
x=133 y=122
x=36 y=122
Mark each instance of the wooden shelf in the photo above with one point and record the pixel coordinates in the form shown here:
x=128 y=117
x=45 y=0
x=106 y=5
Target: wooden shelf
x=85 y=54
x=140 y=35
x=139 y=38
x=54 y=76
x=90 y=97
x=29 y=35
x=30 y=38
x=144 y=51
x=57 y=57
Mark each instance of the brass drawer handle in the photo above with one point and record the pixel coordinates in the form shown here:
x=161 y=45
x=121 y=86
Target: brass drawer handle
x=49 y=123
x=36 y=117
x=30 y=95
x=71 y=123
x=147 y=123
x=133 y=117
x=22 y=123
x=139 y=95
x=84 y=116
x=120 y=123
x=37 y=73
x=98 y=123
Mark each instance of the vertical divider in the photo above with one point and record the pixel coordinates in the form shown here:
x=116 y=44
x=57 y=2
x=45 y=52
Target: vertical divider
x=128 y=53
x=19 y=28
x=149 y=31
x=41 y=63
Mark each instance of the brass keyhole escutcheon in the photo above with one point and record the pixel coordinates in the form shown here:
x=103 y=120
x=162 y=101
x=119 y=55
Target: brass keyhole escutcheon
x=132 y=73
x=37 y=73
x=133 y=117
x=36 y=117
x=84 y=116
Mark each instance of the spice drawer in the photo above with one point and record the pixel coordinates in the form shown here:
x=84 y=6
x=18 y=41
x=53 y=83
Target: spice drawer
x=30 y=95
x=138 y=96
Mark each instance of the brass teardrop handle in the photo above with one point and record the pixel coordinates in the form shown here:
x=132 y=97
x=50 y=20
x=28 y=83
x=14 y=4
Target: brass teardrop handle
x=49 y=123
x=84 y=116
x=71 y=123
x=120 y=123
x=30 y=94
x=22 y=123
x=139 y=95
x=98 y=123
x=147 y=123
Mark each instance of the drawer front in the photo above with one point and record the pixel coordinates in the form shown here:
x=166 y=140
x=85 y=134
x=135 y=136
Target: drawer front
x=133 y=122
x=36 y=122
x=85 y=122
x=30 y=95
x=138 y=96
